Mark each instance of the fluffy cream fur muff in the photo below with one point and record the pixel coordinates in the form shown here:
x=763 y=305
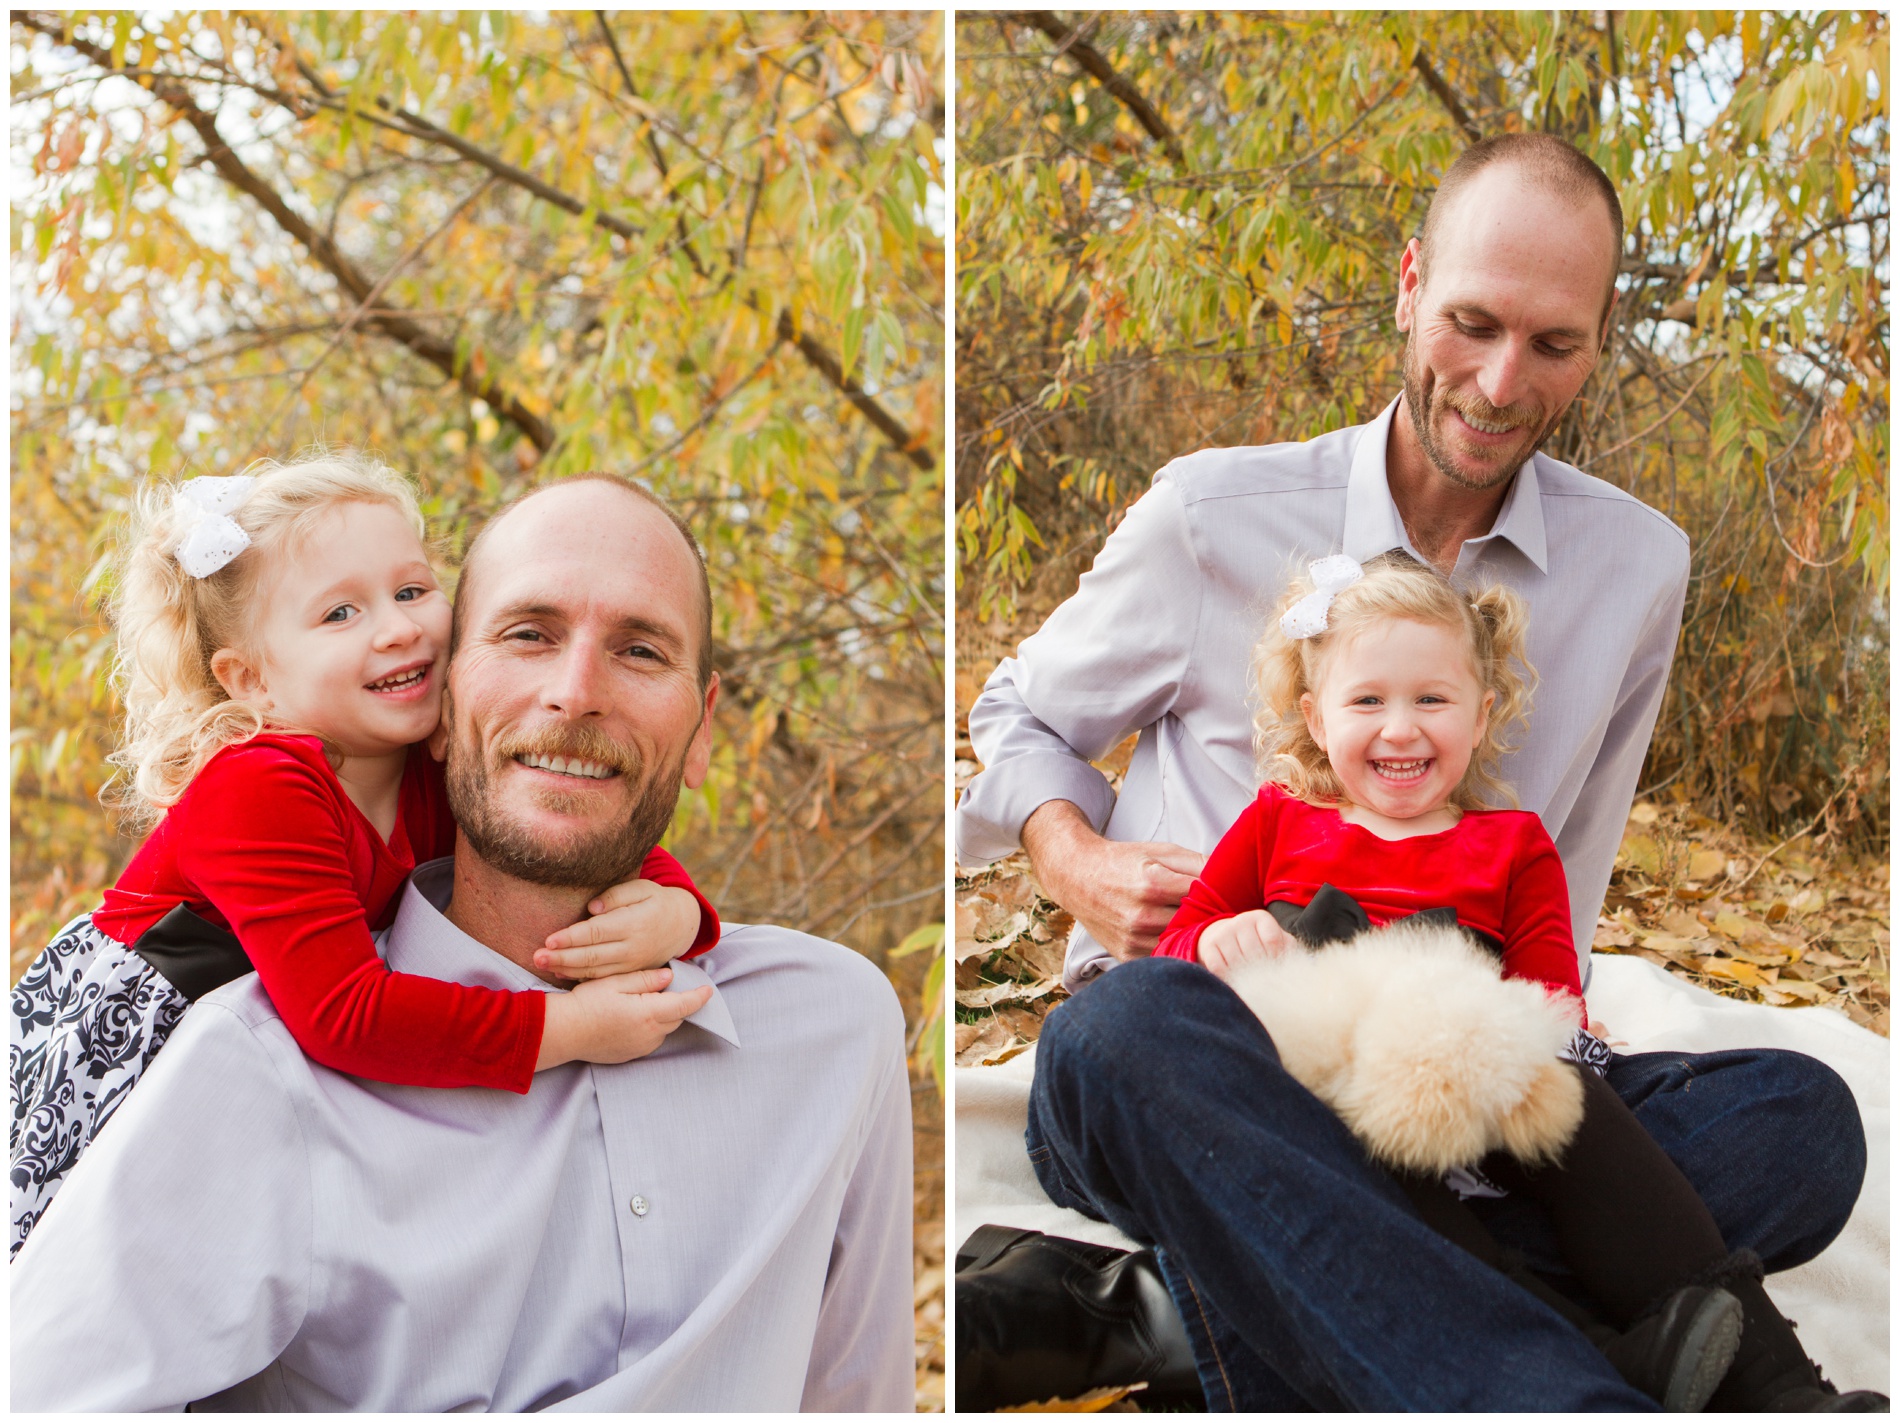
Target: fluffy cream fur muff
x=1428 y=1055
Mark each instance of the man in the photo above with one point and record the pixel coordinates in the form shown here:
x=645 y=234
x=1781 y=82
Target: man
x=1305 y=1278
x=724 y=1224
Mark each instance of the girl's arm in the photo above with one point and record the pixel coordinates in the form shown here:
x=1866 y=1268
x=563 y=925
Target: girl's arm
x=263 y=839
x=1537 y=932
x=663 y=869
x=1229 y=884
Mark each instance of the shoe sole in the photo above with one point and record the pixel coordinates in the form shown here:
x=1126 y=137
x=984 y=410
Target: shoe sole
x=1708 y=1349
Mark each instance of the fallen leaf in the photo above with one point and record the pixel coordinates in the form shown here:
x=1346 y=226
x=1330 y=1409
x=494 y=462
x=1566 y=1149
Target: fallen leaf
x=1736 y=971
x=992 y=994
x=1093 y=1401
x=1644 y=812
x=1641 y=852
x=1671 y=944
x=1739 y=927
x=1796 y=988
x=991 y=1038
x=1611 y=935
x=1707 y=864
x=1684 y=925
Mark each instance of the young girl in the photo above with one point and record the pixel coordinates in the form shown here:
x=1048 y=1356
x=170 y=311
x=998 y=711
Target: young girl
x=1385 y=693
x=282 y=648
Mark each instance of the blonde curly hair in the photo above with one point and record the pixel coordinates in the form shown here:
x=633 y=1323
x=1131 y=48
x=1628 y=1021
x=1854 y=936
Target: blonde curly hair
x=169 y=624
x=1493 y=622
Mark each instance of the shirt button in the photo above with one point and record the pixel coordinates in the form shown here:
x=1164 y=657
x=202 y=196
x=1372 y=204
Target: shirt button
x=639 y=1205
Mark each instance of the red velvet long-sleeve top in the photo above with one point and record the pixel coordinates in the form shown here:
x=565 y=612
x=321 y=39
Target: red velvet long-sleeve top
x=266 y=843
x=1497 y=869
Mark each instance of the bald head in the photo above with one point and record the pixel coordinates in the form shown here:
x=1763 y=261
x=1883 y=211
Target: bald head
x=1541 y=161
x=579 y=507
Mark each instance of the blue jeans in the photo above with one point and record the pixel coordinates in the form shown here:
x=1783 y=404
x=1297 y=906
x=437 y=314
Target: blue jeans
x=1304 y=1275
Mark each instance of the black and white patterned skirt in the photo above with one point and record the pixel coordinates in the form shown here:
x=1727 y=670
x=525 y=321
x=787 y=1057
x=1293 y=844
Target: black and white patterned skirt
x=88 y=1017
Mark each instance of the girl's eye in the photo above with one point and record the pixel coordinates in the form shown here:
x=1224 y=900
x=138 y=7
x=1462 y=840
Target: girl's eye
x=339 y=614
x=410 y=594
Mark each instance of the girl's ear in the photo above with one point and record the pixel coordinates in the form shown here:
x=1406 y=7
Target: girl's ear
x=1484 y=720
x=1315 y=728
x=242 y=682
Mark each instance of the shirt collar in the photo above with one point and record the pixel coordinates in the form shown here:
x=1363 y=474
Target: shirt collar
x=1373 y=524
x=423 y=941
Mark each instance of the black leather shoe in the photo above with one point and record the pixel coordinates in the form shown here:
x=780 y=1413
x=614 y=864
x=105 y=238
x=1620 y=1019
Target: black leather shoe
x=1680 y=1350
x=1041 y=1317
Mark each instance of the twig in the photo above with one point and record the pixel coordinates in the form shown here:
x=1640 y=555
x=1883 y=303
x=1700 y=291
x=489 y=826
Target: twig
x=361 y=307
x=1819 y=815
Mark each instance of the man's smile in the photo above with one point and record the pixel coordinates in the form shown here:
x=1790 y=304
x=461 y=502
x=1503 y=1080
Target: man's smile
x=569 y=767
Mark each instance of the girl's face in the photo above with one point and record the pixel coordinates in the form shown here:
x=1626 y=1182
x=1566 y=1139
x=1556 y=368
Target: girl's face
x=1398 y=711
x=351 y=633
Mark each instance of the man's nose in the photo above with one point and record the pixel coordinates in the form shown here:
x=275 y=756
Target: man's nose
x=576 y=685
x=1503 y=378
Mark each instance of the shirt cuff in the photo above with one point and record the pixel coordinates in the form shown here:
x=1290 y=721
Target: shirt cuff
x=995 y=804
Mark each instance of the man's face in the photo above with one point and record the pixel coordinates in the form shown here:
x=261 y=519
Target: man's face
x=1505 y=328
x=574 y=711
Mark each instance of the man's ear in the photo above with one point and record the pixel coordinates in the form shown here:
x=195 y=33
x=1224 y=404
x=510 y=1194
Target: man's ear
x=699 y=754
x=1315 y=728
x=1603 y=336
x=1411 y=279
x=242 y=681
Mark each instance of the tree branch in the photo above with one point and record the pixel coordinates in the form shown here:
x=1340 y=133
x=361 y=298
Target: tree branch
x=816 y=354
x=398 y=327
x=1070 y=42
x=1436 y=83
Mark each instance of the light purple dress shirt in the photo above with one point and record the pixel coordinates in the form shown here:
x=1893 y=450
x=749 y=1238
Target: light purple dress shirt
x=1159 y=634
x=723 y=1225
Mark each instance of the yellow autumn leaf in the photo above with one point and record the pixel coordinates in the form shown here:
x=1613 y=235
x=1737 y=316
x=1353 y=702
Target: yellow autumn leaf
x=1093 y=1401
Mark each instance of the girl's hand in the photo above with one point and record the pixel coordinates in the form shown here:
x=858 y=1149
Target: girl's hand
x=636 y=925
x=615 y=1019
x=1228 y=943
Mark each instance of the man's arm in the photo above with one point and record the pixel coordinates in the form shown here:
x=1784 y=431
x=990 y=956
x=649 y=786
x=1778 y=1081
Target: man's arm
x=175 y=1260
x=1593 y=829
x=1110 y=660
x=863 y=1357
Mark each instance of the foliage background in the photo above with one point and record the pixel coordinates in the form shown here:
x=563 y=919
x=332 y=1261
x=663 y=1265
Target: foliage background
x=1182 y=230
x=701 y=249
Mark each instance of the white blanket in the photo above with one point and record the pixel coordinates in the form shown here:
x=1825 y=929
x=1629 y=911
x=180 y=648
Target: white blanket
x=1839 y=1300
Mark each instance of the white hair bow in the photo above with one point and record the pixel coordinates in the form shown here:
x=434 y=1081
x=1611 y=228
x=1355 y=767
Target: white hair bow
x=1331 y=576
x=208 y=536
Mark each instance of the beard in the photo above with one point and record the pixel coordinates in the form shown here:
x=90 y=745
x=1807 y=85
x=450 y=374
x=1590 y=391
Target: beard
x=1425 y=402
x=590 y=859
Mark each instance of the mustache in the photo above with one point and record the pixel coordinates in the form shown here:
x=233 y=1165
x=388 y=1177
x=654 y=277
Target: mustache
x=1478 y=408
x=576 y=743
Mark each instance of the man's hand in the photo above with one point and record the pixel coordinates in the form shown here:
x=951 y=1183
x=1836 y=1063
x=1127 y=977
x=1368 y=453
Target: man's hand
x=1123 y=892
x=1228 y=943
x=636 y=925
x=615 y=1019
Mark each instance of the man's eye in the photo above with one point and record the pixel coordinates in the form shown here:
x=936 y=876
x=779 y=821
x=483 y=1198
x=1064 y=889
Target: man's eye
x=1468 y=330
x=640 y=649
x=522 y=635
x=1558 y=352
